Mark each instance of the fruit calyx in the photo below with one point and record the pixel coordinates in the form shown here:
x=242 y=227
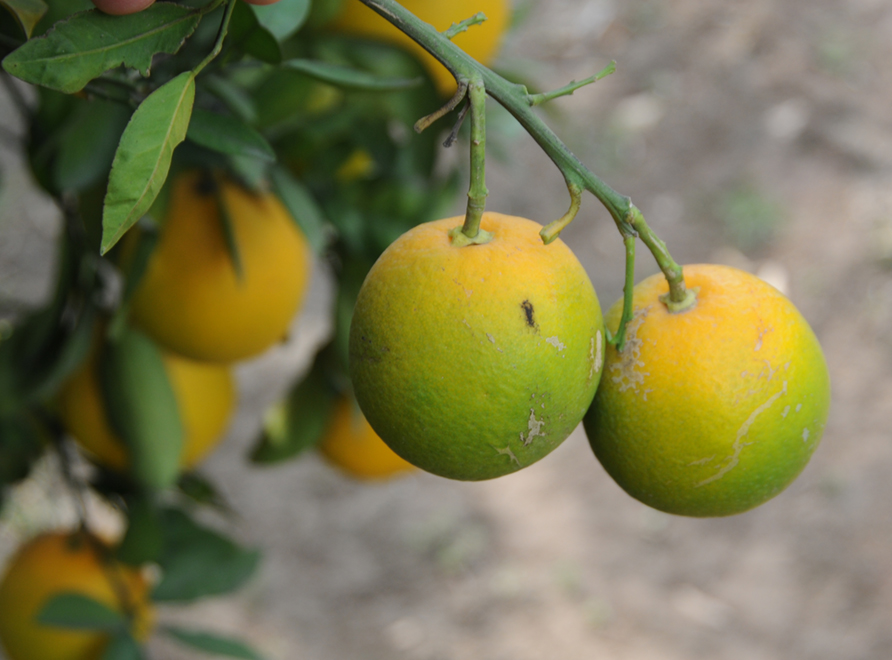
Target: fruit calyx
x=690 y=299
x=459 y=239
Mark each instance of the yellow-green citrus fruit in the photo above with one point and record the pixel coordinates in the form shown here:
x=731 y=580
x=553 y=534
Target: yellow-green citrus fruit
x=59 y=562
x=474 y=362
x=479 y=41
x=352 y=445
x=192 y=300
x=205 y=394
x=713 y=410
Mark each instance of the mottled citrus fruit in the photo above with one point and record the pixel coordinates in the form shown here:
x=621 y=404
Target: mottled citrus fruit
x=352 y=445
x=715 y=409
x=205 y=394
x=479 y=41
x=192 y=300
x=55 y=563
x=473 y=362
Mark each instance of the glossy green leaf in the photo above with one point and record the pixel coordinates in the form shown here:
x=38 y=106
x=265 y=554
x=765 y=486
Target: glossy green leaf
x=297 y=424
x=213 y=643
x=350 y=78
x=198 y=562
x=122 y=647
x=83 y=47
x=228 y=135
x=303 y=208
x=142 y=407
x=282 y=18
x=143 y=157
x=27 y=12
x=74 y=610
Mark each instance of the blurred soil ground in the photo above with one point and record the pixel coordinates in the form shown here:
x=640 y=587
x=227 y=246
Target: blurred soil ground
x=753 y=133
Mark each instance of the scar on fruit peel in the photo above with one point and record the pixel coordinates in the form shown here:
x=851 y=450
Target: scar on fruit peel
x=534 y=428
x=527 y=307
x=510 y=454
x=554 y=341
x=738 y=445
x=762 y=333
x=594 y=355
x=629 y=375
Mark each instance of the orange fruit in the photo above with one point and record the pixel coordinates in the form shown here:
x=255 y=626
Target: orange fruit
x=61 y=562
x=715 y=409
x=191 y=299
x=351 y=444
x=481 y=41
x=205 y=393
x=473 y=362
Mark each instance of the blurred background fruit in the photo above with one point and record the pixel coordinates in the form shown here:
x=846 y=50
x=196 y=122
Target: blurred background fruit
x=67 y=562
x=228 y=275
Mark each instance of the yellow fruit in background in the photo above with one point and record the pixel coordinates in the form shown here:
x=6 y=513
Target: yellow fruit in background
x=713 y=410
x=60 y=562
x=473 y=362
x=352 y=445
x=205 y=393
x=191 y=299
x=479 y=41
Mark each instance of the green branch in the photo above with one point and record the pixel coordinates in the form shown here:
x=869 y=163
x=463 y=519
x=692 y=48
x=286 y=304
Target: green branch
x=516 y=99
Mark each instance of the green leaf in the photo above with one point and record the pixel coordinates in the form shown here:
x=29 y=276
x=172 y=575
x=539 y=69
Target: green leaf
x=122 y=647
x=350 y=78
x=144 y=537
x=143 y=156
x=142 y=407
x=213 y=643
x=249 y=36
x=302 y=207
x=87 y=144
x=83 y=47
x=201 y=490
x=27 y=12
x=298 y=423
x=283 y=18
x=74 y=610
x=199 y=562
x=228 y=135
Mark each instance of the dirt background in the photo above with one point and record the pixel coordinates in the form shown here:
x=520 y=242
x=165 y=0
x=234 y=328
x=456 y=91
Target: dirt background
x=753 y=133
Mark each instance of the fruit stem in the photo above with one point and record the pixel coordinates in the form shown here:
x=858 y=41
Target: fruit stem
x=680 y=297
x=619 y=339
x=477 y=192
x=553 y=229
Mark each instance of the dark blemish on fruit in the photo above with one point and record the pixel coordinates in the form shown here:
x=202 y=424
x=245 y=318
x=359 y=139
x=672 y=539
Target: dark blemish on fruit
x=527 y=307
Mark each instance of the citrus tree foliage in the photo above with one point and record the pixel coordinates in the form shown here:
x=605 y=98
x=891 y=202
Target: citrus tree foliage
x=118 y=107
